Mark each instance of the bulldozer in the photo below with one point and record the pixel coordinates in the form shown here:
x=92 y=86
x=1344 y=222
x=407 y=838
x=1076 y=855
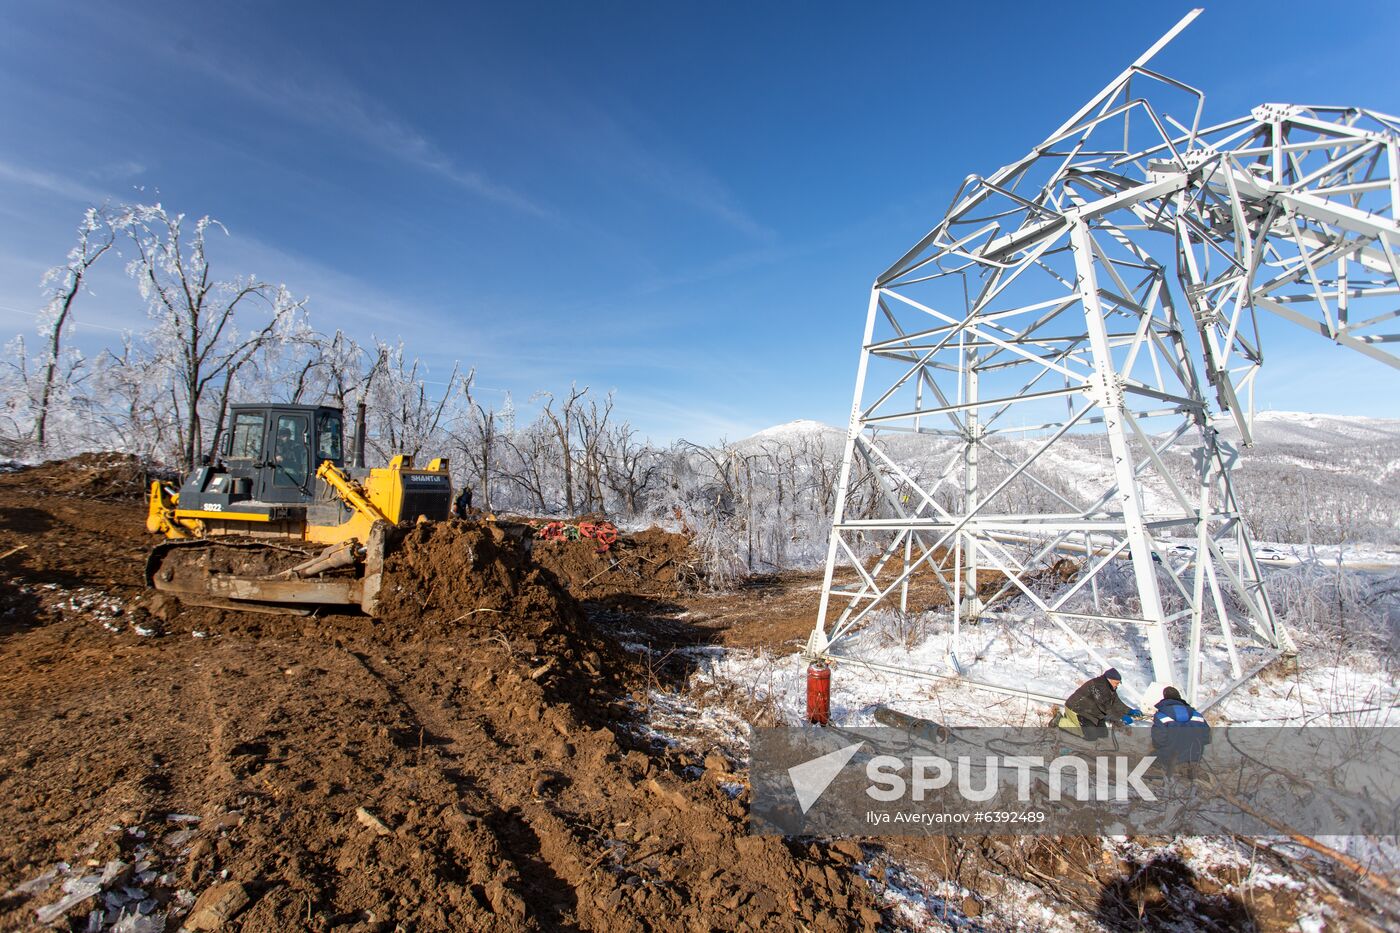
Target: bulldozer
x=279 y=522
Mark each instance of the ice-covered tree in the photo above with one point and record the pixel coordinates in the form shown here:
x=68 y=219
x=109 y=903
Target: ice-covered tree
x=205 y=328
x=62 y=285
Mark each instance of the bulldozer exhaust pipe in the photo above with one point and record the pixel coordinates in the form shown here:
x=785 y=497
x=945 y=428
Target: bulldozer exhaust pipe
x=359 y=463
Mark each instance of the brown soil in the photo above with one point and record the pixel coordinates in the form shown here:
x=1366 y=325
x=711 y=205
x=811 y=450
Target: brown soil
x=91 y=475
x=775 y=611
x=651 y=563
x=443 y=768
x=454 y=576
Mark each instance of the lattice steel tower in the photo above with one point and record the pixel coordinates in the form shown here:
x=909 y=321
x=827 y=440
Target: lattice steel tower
x=1042 y=377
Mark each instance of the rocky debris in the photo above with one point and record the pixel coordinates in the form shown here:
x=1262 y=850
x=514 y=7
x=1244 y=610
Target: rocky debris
x=50 y=600
x=40 y=882
x=217 y=905
x=123 y=902
x=139 y=923
x=370 y=821
x=75 y=892
x=135 y=890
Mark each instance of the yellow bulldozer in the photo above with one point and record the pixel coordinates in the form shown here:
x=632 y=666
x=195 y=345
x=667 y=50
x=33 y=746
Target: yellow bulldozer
x=279 y=523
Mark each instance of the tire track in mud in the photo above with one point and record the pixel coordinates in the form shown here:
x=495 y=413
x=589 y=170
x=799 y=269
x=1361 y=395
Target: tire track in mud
x=601 y=837
x=542 y=860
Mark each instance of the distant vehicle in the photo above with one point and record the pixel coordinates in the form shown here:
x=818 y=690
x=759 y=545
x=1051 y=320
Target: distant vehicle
x=1267 y=552
x=1181 y=550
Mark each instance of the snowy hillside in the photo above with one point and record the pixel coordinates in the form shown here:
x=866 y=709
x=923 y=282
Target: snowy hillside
x=1297 y=427
x=1329 y=479
x=795 y=430
x=1324 y=479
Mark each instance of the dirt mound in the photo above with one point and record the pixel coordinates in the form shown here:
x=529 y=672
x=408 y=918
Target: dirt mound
x=456 y=576
x=464 y=582
x=102 y=475
x=650 y=563
x=355 y=786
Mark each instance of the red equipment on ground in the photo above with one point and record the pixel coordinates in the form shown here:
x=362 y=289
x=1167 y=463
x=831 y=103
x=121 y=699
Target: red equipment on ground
x=605 y=533
x=818 y=693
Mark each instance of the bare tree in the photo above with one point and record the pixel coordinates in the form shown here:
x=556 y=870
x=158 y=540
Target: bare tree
x=591 y=429
x=561 y=425
x=62 y=283
x=408 y=415
x=476 y=438
x=197 y=316
x=339 y=363
x=132 y=412
x=630 y=468
x=530 y=450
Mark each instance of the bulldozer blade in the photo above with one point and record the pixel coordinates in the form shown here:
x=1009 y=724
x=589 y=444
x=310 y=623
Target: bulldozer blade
x=375 y=549
x=272 y=592
x=214 y=602
x=258 y=590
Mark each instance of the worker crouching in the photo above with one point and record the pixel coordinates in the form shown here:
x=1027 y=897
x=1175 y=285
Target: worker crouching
x=1094 y=705
x=1180 y=734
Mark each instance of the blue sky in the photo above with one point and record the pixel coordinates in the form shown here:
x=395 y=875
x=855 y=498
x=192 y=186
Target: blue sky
x=682 y=202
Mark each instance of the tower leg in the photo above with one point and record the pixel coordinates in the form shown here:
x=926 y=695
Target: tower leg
x=1108 y=387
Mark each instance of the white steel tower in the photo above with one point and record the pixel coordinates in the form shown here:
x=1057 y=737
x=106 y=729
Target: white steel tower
x=1034 y=438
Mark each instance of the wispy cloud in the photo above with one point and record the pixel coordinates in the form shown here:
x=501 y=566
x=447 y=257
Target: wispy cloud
x=322 y=99
x=121 y=171
x=54 y=184
x=338 y=299
x=664 y=418
x=612 y=141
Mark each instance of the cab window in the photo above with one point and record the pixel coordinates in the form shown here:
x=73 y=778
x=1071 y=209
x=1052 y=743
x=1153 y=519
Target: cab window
x=289 y=451
x=328 y=439
x=247 y=436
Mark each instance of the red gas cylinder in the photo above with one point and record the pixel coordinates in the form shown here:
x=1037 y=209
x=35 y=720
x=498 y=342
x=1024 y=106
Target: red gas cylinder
x=818 y=693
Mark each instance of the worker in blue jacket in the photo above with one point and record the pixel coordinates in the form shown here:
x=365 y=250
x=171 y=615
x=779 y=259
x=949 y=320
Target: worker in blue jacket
x=1180 y=733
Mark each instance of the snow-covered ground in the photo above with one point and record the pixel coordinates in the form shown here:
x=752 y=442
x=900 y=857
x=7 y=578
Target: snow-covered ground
x=730 y=686
x=1324 y=696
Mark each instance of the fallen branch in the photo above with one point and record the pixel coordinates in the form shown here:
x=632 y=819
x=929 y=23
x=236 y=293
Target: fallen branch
x=1309 y=842
x=601 y=572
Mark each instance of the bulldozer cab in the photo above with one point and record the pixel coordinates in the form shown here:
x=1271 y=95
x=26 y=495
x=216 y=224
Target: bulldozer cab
x=277 y=448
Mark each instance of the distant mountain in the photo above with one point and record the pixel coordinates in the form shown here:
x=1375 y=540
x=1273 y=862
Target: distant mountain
x=792 y=430
x=1310 y=430
x=1330 y=479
